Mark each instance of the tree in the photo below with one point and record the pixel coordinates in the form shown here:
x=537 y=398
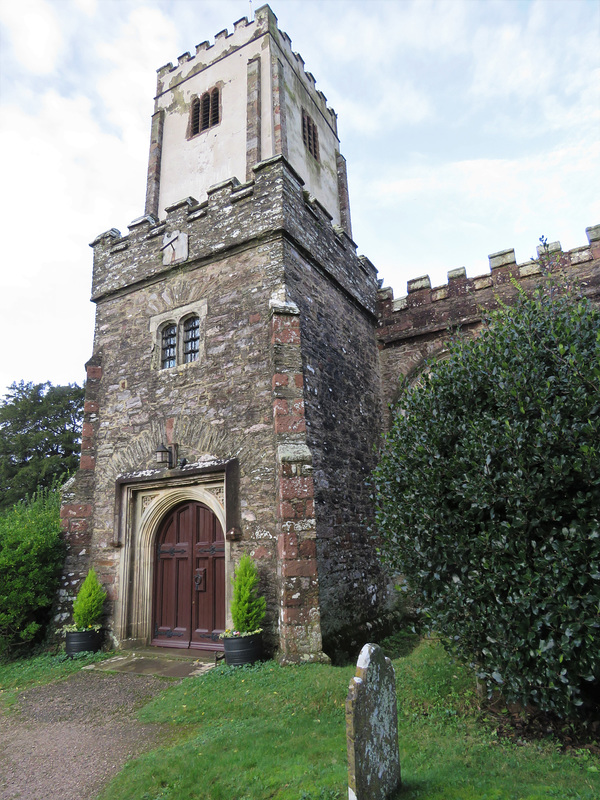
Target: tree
x=40 y=427
x=31 y=556
x=489 y=499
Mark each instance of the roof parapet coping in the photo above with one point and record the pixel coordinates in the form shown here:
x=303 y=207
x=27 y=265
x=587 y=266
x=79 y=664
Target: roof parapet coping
x=312 y=201
x=416 y=284
x=593 y=233
x=233 y=183
x=147 y=219
x=549 y=247
x=503 y=258
x=367 y=263
x=113 y=233
x=273 y=160
x=240 y=222
x=190 y=202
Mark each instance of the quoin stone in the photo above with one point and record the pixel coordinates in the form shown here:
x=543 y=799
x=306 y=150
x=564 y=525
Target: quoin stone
x=372 y=728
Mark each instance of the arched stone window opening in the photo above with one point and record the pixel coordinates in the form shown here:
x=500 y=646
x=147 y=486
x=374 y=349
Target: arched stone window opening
x=168 y=346
x=214 y=107
x=205 y=112
x=191 y=339
x=310 y=135
x=195 y=117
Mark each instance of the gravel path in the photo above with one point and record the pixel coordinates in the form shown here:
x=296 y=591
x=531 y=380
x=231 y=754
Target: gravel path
x=66 y=740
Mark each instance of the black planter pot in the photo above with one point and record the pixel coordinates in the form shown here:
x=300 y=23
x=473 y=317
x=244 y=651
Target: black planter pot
x=81 y=641
x=243 y=649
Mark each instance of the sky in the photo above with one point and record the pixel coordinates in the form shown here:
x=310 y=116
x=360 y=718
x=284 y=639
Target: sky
x=468 y=126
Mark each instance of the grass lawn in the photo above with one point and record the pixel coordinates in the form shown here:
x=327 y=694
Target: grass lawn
x=272 y=732
x=27 y=672
x=252 y=733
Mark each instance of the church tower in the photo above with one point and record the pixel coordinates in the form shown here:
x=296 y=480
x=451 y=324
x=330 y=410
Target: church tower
x=233 y=395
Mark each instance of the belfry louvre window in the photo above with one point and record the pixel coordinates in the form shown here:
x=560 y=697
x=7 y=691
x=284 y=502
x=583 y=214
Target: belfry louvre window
x=205 y=112
x=169 y=347
x=191 y=339
x=310 y=136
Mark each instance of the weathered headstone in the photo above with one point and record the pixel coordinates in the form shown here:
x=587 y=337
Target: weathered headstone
x=372 y=728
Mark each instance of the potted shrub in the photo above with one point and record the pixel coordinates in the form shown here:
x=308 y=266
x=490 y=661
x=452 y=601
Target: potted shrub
x=86 y=631
x=243 y=644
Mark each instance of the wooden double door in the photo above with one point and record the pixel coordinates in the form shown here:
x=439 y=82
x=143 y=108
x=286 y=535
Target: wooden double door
x=189 y=579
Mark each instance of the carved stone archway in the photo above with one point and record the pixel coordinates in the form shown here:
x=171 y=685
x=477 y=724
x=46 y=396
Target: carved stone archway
x=143 y=505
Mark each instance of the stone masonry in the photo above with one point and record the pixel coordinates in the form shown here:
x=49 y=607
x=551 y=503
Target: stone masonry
x=288 y=386
x=415 y=329
x=274 y=426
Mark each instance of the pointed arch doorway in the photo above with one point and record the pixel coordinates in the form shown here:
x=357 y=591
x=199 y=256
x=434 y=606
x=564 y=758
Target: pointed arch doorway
x=188 y=602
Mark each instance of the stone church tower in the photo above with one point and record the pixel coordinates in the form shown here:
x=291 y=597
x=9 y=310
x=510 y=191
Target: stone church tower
x=235 y=340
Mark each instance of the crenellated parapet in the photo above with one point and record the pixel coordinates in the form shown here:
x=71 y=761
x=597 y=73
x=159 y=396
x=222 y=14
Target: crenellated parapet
x=426 y=310
x=244 y=32
x=234 y=216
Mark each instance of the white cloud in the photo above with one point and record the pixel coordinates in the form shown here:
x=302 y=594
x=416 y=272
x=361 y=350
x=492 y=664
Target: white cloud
x=89 y=7
x=491 y=187
x=34 y=33
x=133 y=56
x=395 y=103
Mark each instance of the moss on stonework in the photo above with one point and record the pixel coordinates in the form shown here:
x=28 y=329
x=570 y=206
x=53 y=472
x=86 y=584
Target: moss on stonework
x=178 y=102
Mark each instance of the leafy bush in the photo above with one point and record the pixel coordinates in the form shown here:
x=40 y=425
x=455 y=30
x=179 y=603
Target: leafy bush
x=489 y=499
x=247 y=607
x=88 y=605
x=31 y=555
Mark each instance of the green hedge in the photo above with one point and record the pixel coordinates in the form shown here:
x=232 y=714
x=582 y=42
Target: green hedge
x=31 y=556
x=489 y=499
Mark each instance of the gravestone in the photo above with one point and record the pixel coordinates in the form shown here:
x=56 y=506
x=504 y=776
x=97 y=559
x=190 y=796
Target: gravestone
x=372 y=728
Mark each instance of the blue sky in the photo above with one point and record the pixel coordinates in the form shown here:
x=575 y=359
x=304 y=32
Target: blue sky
x=469 y=126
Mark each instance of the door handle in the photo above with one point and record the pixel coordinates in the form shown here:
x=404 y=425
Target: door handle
x=199 y=580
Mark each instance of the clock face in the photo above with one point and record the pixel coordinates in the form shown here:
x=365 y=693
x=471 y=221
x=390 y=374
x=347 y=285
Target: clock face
x=174 y=248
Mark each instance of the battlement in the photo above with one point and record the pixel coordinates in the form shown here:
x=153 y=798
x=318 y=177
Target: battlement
x=426 y=309
x=206 y=54
x=274 y=203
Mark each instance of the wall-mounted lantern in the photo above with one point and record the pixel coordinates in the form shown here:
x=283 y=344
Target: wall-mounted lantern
x=166 y=455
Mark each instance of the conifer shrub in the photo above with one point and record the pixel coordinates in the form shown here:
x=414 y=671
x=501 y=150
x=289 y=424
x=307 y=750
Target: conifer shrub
x=489 y=500
x=247 y=607
x=88 y=605
x=31 y=556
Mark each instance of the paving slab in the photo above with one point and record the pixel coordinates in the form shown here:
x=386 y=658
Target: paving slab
x=143 y=664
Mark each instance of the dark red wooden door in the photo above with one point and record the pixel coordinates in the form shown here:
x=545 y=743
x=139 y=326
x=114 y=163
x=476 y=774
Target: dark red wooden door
x=189 y=579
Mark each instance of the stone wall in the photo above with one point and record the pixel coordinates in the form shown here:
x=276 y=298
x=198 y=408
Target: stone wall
x=343 y=421
x=415 y=328
x=219 y=407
